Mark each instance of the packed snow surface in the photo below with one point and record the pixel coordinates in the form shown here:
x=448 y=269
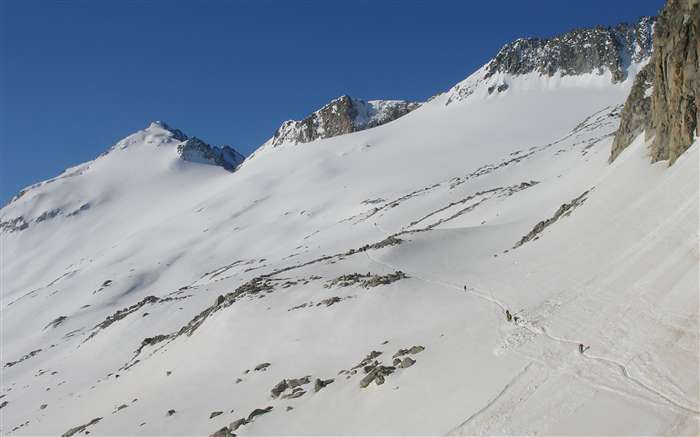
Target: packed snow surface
x=170 y=297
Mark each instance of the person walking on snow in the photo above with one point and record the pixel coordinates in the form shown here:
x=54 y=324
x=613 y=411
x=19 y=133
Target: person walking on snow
x=509 y=317
x=580 y=347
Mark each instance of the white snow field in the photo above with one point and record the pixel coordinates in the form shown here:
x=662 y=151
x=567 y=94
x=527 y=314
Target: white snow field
x=458 y=185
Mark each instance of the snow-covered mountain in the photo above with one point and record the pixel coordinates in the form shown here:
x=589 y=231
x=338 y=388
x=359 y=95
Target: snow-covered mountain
x=432 y=275
x=609 y=52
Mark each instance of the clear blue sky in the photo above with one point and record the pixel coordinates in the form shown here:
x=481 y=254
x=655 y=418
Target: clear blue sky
x=79 y=75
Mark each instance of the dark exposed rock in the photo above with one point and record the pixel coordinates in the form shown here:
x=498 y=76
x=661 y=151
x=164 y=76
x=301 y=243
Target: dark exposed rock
x=43 y=406
x=47 y=215
x=83 y=207
x=564 y=210
x=341 y=116
x=55 y=322
x=285 y=384
x=377 y=375
x=25 y=357
x=365 y=280
x=223 y=432
x=262 y=367
x=196 y=150
x=238 y=423
x=367 y=360
x=258 y=412
x=320 y=383
x=80 y=428
x=279 y=388
x=175 y=133
x=330 y=301
x=4 y=404
x=170 y=412
x=406 y=362
x=412 y=351
x=215 y=413
x=15 y=224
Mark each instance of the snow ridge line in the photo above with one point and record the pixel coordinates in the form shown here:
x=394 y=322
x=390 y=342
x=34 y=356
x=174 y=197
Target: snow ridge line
x=541 y=330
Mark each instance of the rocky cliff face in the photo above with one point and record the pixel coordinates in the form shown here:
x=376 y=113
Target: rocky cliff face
x=635 y=116
x=577 y=52
x=196 y=150
x=664 y=101
x=341 y=116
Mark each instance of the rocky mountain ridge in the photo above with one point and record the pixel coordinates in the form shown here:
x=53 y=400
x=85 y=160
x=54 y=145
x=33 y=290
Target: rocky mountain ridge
x=340 y=116
x=578 y=51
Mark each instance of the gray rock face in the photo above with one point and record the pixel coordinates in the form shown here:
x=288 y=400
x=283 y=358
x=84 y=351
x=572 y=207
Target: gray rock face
x=669 y=113
x=81 y=428
x=564 y=210
x=321 y=383
x=196 y=150
x=341 y=116
x=14 y=224
x=636 y=115
x=577 y=52
x=676 y=95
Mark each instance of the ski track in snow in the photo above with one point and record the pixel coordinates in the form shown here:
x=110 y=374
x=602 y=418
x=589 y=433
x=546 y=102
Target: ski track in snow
x=542 y=330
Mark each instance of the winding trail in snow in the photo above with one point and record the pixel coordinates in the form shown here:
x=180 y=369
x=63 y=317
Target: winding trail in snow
x=542 y=330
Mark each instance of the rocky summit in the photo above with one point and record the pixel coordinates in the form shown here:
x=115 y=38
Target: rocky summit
x=341 y=116
x=579 y=51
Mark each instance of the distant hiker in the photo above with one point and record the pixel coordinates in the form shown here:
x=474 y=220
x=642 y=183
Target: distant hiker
x=509 y=317
x=515 y=319
x=580 y=348
x=465 y=288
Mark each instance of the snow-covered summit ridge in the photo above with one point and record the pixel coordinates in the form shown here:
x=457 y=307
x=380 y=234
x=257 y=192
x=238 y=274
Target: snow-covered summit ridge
x=612 y=53
x=159 y=141
x=192 y=149
x=340 y=116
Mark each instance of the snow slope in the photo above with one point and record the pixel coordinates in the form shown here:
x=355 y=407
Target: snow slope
x=242 y=271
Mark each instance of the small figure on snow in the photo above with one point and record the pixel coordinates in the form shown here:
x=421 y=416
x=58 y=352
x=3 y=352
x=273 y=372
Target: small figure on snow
x=465 y=288
x=509 y=316
x=581 y=348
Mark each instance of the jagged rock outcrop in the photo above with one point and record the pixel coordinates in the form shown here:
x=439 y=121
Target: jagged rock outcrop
x=341 y=116
x=669 y=113
x=635 y=116
x=577 y=52
x=196 y=150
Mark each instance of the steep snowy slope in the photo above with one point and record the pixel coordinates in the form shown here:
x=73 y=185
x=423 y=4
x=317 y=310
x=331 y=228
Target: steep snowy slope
x=359 y=284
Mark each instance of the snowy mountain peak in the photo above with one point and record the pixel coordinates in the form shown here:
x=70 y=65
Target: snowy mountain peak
x=612 y=53
x=176 y=133
x=340 y=116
